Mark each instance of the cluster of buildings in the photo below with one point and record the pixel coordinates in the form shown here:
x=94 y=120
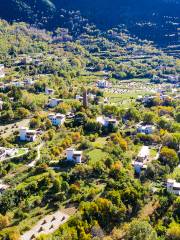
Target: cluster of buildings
x=27 y=135
x=148 y=99
x=168 y=78
x=19 y=84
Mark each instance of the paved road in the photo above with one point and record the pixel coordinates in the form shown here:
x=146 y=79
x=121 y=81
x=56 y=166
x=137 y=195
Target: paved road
x=46 y=225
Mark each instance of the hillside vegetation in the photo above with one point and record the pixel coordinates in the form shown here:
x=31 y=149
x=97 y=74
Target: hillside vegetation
x=100 y=193
x=143 y=18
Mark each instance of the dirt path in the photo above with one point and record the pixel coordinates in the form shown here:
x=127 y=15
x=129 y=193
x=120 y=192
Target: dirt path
x=33 y=163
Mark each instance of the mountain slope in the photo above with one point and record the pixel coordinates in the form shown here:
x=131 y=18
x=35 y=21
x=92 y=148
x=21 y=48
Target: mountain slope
x=155 y=20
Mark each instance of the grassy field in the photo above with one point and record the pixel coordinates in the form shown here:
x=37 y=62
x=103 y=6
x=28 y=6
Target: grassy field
x=96 y=155
x=100 y=142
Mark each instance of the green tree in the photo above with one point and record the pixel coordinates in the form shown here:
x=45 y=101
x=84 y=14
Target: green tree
x=169 y=156
x=149 y=117
x=173 y=232
x=141 y=230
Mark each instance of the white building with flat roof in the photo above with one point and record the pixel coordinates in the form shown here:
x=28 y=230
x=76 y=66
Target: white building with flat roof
x=1 y=104
x=28 y=82
x=142 y=159
x=2 y=71
x=49 y=91
x=146 y=129
x=173 y=186
x=74 y=156
x=27 y=135
x=103 y=84
x=106 y=121
x=79 y=98
x=57 y=119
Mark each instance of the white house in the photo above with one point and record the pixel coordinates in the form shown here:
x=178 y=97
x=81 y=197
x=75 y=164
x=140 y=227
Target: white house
x=27 y=135
x=2 y=72
x=103 y=84
x=49 y=91
x=142 y=159
x=72 y=155
x=3 y=187
x=17 y=84
x=79 y=98
x=173 y=186
x=26 y=60
x=146 y=129
x=28 y=82
x=105 y=121
x=57 y=119
x=53 y=102
x=1 y=104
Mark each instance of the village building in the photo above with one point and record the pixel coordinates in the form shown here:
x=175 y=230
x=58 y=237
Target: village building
x=1 y=104
x=70 y=115
x=106 y=121
x=27 y=135
x=3 y=187
x=26 y=60
x=142 y=159
x=17 y=84
x=103 y=84
x=2 y=72
x=49 y=91
x=28 y=82
x=79 y=98
x=146 y=129
x=74 y=156
x=53 y=102
x=173 y=186
x=57 y=119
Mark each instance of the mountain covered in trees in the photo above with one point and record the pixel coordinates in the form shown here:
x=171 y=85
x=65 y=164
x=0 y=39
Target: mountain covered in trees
x=156 y=20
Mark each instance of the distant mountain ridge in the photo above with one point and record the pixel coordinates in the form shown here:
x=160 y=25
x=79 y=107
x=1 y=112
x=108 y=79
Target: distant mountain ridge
x=152 y=19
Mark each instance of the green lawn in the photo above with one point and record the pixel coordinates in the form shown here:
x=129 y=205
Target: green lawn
x=96 y=155
x=99 y=143
x=21 y=151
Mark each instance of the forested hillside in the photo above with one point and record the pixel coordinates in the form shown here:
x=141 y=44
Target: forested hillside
x=143 y=18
